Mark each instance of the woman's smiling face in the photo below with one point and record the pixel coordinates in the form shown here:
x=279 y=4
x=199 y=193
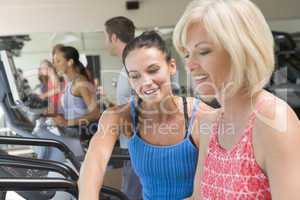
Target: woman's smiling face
x=149 y=73
x=208 y=63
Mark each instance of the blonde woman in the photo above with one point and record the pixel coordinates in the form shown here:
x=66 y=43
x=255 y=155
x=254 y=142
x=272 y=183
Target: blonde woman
x=252 y=151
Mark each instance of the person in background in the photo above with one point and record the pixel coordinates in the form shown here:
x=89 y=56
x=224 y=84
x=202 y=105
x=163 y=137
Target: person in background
x=54 y=49
x=118 y=32
x=54 y=88
x=251 y=151
x=79 y=105
x=43 y=82
x=60 y=76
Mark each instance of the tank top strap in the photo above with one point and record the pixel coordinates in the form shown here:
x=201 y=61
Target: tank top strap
x=249 y=126
x=259 y=105
x=186 y=116
x=133 y=114
x=67 y=90
x=68 y=85
x=193 y=115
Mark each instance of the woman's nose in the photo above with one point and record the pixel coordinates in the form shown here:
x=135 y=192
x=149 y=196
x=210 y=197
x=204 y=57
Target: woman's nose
x=191 y=65
x=146 y=80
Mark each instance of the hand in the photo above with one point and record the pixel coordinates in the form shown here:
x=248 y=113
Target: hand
x=60 y=120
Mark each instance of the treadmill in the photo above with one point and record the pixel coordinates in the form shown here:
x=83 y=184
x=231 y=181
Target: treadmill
x=26 y=121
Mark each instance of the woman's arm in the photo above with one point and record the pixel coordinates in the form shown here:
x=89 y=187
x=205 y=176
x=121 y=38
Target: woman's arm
x=51 y=92
x=201 y=131
x=278 y=131
x=98 y=155
x=56 y=89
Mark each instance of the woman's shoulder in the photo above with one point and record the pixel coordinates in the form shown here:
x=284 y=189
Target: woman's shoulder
x=201 y=105
x=276 y=132
x=81 y=84
x=276 y=122
x=117 y=114
x=272 y=111
x=203 y=110
x=117 y=118
x=81 y=79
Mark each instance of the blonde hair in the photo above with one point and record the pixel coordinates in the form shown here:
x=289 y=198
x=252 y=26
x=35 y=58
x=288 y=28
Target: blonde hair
x=240 y=28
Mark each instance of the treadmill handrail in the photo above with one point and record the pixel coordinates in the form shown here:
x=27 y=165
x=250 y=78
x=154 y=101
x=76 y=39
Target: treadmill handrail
x=28 y=163
x=113 y=191
x=38 y=184
x=120 y=154
x=20 y=162
x=42 y=142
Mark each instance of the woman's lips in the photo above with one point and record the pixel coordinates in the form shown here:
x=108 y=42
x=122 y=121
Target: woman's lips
x=150 y=91
x=200 y=79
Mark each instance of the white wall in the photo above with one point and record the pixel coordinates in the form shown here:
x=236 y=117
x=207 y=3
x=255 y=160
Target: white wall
x=279 y=9
x=31 y=16
x=286 y=25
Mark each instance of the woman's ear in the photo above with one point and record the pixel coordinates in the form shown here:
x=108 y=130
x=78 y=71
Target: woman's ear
x=172 y=66
x=113 y=37
x=70 y=62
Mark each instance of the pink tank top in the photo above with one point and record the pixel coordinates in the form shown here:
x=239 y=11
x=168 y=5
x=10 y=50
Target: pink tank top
x=54 y=99
x=234 y=174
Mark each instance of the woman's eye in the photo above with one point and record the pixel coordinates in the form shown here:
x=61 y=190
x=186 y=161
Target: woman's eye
x=203 y=53
x=153 y=70
x=134 y=76
x=186 y=56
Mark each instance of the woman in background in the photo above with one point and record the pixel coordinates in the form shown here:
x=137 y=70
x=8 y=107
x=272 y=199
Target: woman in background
x=79 y=105
x=52 y=86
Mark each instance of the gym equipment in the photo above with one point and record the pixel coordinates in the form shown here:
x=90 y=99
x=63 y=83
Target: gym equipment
x=23 y=119
x=28 y=123
x=285 y=82
x=32 y=172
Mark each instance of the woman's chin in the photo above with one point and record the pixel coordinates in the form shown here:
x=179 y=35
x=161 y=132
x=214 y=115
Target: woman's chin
x=151 y=98
x=205 y=92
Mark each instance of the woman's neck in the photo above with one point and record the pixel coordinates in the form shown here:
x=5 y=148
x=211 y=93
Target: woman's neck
x=72 y=74
x=161 y=109
x=240 y=104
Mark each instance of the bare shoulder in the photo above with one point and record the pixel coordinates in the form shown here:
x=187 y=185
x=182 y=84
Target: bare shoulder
x=277 y=126
x=82 y=85
x=81 y=80
x=206 y=113
x=203 y=122
x=116 y=115
x=202 y=106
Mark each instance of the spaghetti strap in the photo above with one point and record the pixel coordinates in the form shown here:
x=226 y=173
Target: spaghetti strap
x=186 y=116
x=193 y=116
x=259 y=105
x=133 y=114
